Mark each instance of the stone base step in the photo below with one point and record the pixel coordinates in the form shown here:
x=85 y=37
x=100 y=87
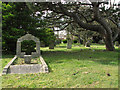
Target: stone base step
x=22 y=69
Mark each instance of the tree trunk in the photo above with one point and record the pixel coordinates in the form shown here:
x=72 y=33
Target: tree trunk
x=107 y=32
x=109 y=43
x=51 y=45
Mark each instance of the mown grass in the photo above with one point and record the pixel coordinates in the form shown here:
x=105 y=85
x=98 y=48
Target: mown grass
x=79 y=67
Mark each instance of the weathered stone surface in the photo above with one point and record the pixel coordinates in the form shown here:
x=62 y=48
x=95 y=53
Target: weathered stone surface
x=101 y=42
x=51 y=45
x=27 y=37
x=27 y=68
x=44 y=65
x=22 y=69
x=27 y=59
x=69 y=44
x=87 y=44
x=5 y=69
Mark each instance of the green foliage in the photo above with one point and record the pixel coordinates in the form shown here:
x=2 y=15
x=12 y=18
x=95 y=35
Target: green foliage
x=75 y=41
x=28 y=46
x=17 y=20
x=45 y=35
x=51 y=36
x=65 y=41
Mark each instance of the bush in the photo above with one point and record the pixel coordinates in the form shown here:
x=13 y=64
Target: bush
x=65 y=41
x=74 y=41
x=28 y=46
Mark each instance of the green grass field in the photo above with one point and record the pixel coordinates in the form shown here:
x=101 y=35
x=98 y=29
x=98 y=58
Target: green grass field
x=79 y=67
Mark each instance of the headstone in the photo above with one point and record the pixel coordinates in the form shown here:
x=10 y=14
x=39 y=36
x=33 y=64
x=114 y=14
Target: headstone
x=20 y=54
x=87 y=44
x=52 y=44
x=69 y=44
x=27 y=59
x=101 y=42
x=93 y=50
x=28 y=67
x=116 y=43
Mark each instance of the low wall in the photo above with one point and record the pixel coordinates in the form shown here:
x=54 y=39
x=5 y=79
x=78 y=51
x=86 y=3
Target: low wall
x=44 y=65
x=5 y=69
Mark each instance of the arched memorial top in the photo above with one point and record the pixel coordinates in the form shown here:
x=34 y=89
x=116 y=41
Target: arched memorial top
x=28 y=37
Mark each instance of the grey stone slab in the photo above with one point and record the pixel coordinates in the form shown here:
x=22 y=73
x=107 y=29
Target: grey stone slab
x=22 y=69
x=44 y=65
x=69 y=44
x=27 y=59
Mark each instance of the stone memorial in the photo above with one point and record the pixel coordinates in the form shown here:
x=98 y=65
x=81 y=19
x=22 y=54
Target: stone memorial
x=69 y=43
x=116 y=43
x=27 y=67
x=87 y=44
x=28 y=37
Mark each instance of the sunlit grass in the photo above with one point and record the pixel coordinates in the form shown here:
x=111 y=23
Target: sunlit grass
x=79 y=67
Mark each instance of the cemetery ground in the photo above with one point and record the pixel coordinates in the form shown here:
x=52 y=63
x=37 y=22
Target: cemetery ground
x=79 y=67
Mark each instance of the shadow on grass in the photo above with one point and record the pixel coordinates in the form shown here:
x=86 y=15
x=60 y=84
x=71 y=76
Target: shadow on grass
x=107 y=62
x=8 y=56
x=60 y=46
x=98 y=56
x=49 y=68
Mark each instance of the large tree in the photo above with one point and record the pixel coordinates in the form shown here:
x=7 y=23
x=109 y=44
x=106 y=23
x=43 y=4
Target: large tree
x=17 y=20
x=91 y=17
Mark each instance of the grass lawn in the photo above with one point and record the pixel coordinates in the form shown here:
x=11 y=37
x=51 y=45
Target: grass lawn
x=79 y=67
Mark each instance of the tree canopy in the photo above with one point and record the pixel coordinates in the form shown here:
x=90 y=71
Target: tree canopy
x=39 y=17
x=17 y=20
x=93 y=16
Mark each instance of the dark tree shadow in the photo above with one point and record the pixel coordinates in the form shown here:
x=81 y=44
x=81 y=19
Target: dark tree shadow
x=59 y=56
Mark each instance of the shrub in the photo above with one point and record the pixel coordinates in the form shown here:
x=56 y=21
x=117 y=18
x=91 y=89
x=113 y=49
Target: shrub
x=28 y=46
x=65 y=41
x=74 y=41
